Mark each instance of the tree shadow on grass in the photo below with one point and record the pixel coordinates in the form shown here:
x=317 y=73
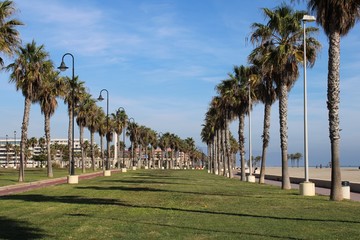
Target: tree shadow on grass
x=142 y=182
x=115 y=202
x=11 y=229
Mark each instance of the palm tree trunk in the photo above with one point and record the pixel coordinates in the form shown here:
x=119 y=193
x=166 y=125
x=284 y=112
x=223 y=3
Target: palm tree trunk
x=283 y=106
x=242 y=145
x=82 y=148
x=218 y=146
x=102 y=149
x=24 y=130
x=334 y=121
x=266 y=139
x=92 y=150
x=47 y=136
x=227 y=145
x=215 y=150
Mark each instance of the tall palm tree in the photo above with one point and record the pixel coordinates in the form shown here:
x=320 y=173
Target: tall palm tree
x=337 y=18
x=266 y=93
x=27 y=73
x=239 y=81
x=79 y=89
x=119 y=119
x=95 y=117
x=48 y=92
x=9 y=36
x=283 y=33
x=101 y=130
x=86 y=103
x=133 y=133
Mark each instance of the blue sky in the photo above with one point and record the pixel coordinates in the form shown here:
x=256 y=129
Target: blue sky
x=161 y=60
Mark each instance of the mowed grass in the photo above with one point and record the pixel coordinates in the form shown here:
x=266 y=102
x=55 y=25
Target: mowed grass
x=174 y=204
x=10 y=176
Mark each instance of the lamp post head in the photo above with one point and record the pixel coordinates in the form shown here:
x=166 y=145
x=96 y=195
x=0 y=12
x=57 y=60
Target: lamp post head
x=308 y=18
x=62 y=66
x=100 y=98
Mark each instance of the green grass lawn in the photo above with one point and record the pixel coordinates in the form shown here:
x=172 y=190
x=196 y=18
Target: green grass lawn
x=174 y=204
x=11 y=176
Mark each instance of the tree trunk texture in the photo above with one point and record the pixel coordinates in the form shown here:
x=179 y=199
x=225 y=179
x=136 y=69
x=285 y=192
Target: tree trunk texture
x=92 y=151
x=333 y=103
x=228 y=154
x=47 y=136
x=82 y=148
x=24 y=131
x=242 y=145
x=266 y=140
x=283 y=106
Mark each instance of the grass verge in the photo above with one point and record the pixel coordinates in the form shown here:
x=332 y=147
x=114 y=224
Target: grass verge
x=173 y=204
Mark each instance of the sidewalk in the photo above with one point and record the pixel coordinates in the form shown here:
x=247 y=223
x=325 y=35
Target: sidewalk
x=24 y=187
x=273 y=177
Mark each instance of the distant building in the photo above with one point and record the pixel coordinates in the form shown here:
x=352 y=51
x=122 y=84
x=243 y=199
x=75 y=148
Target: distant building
x=13 y=156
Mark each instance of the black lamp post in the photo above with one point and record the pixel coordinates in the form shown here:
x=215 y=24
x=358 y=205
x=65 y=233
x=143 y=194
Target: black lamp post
x=100 y=98
x=63 y=67
x=15 y=162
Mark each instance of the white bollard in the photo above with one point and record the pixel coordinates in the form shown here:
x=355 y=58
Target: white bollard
x=345 y=189
x=73 y=179
x=307 y=189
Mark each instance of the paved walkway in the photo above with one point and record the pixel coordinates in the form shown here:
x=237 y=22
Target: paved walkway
x=350 y=174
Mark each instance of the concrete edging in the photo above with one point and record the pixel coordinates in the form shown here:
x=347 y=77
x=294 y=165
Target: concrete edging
x=354 y=187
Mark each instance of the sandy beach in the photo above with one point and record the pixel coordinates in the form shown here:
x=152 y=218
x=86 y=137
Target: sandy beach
x=347 y=174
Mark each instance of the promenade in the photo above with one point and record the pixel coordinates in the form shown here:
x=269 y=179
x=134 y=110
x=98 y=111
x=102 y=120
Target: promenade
x=320 y=176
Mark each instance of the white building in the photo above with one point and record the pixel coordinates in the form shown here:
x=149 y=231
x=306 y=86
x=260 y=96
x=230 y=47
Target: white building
x=13 y=156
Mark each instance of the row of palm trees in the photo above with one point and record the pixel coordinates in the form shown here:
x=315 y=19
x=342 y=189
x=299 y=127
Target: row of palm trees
x=34 y=74
x=273 y=70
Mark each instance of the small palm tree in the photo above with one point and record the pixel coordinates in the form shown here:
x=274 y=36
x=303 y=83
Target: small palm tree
x=9 y=36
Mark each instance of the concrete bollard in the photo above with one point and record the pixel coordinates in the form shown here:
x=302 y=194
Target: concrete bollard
x=73 y=179
x=345 y=189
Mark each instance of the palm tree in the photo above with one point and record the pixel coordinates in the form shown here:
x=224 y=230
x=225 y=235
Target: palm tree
x=95 y=116
x=119 y=119
x=102 y=132
x=265 y=92
x=283 y=35
x=76 y=86
x=48 y=92
x=27 y=73
x=81 y=119
x=9 y=36
x=239 y=81
x=133 y=132
x=337 y=18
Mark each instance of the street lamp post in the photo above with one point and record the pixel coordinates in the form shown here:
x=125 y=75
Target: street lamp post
x=15 y=162
x=107 y=164
x=307 y=188
x=250 y=177
x=72 y=179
